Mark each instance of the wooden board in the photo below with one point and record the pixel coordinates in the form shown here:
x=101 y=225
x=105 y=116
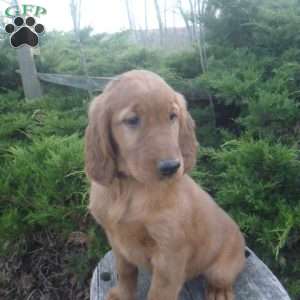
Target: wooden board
x=93 y=83
x=256 y=282
x=76 y=81
x=31 y=84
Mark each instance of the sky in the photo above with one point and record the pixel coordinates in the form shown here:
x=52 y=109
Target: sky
x=101 y=15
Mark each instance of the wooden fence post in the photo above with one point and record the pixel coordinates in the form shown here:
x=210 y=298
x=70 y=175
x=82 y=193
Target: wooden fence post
x=31 y=84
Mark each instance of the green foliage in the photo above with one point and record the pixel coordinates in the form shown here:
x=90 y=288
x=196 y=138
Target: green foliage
x=266 y=27
x=137 y=58
x=273 y=115
x=276 y=26
x=231 y=23
x=49 y=186
x=235 y=77
x=257 y=182
x=252 y=169
x=8 y=66
x=42 y=182
x=14 y=126
x=105 y=55
x=185 y=64
x=66 y=58
x=206 y=133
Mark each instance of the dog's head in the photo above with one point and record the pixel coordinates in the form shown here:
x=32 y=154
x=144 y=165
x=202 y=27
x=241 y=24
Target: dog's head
x=139 y=127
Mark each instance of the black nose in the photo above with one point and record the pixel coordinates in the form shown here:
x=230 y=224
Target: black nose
x=168 y=167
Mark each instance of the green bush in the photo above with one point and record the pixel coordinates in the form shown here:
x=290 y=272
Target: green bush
x=137 y=58
x=48 y=184
x=43 y=186
x=21 y=120
x=273 y=115
x=253 y=76
x=258 y=183
x=185 y=64
x=14 y=126
x=59 y=123
x=234 y=78
x=8 y=65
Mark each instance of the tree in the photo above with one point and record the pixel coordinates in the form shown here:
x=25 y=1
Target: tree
x=146 y=14
x=195 y=26
x=186 y=19
x=160 y=22
x=75 y=7
x=130 y=17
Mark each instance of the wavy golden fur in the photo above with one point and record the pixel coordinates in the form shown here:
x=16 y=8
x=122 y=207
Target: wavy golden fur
x=167 y=224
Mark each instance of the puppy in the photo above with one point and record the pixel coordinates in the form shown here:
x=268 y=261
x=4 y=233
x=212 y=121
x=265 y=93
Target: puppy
x=139 y=146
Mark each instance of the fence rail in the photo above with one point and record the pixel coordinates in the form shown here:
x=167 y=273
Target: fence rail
x=92 y=83
x=95 y=83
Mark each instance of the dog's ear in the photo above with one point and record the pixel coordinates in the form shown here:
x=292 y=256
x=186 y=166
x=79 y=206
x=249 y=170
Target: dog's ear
x=187 y=138
x=99 y=155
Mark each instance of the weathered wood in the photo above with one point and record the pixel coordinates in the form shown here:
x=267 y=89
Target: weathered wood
x=97 y=84
x=76 y=81
x=256 y=282
x=31 y=84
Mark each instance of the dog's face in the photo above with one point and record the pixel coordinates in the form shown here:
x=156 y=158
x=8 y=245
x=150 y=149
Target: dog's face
x=146 y=131
x=139 y=127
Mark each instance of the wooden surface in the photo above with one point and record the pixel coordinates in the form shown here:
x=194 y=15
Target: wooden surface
x=256 y=282
x=76 y=81
x=31 y=84
x=94 y=83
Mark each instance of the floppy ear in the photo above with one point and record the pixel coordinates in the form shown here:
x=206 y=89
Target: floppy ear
x=99 y=154
x=187 y=138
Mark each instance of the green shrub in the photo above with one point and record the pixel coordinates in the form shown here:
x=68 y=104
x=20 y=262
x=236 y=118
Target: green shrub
x=10 y=101
x=14 y=126
x=137 y=58
x=59 y=123
x=21 y=120
x=42 y=185
x=273 y=115
x=207 y=134
x=234 y=78
x=9 y=80
x=185 y=64
x=42 y=181
x=253 y=76
x=258 y=183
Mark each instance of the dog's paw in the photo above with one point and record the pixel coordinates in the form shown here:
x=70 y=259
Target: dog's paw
x=219 y=294
x=115 y=294
x=24 y=32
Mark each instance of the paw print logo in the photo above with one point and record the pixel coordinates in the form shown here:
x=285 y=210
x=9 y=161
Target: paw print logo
x=24 y=32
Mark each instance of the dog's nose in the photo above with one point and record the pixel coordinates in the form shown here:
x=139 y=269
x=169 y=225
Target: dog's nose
x=168 y=167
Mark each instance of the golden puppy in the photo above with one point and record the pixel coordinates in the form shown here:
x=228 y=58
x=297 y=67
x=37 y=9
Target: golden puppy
x=140 y=145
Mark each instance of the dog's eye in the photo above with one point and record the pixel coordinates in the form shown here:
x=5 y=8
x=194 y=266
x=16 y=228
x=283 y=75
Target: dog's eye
x=133 y=121
x=173 y=116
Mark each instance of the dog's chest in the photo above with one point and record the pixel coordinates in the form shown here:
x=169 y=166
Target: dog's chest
x=124 y=221
x=133 y=241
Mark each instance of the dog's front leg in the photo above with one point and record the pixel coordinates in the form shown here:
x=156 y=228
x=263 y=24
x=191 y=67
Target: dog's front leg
x=167 y=277
x=127 y=280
